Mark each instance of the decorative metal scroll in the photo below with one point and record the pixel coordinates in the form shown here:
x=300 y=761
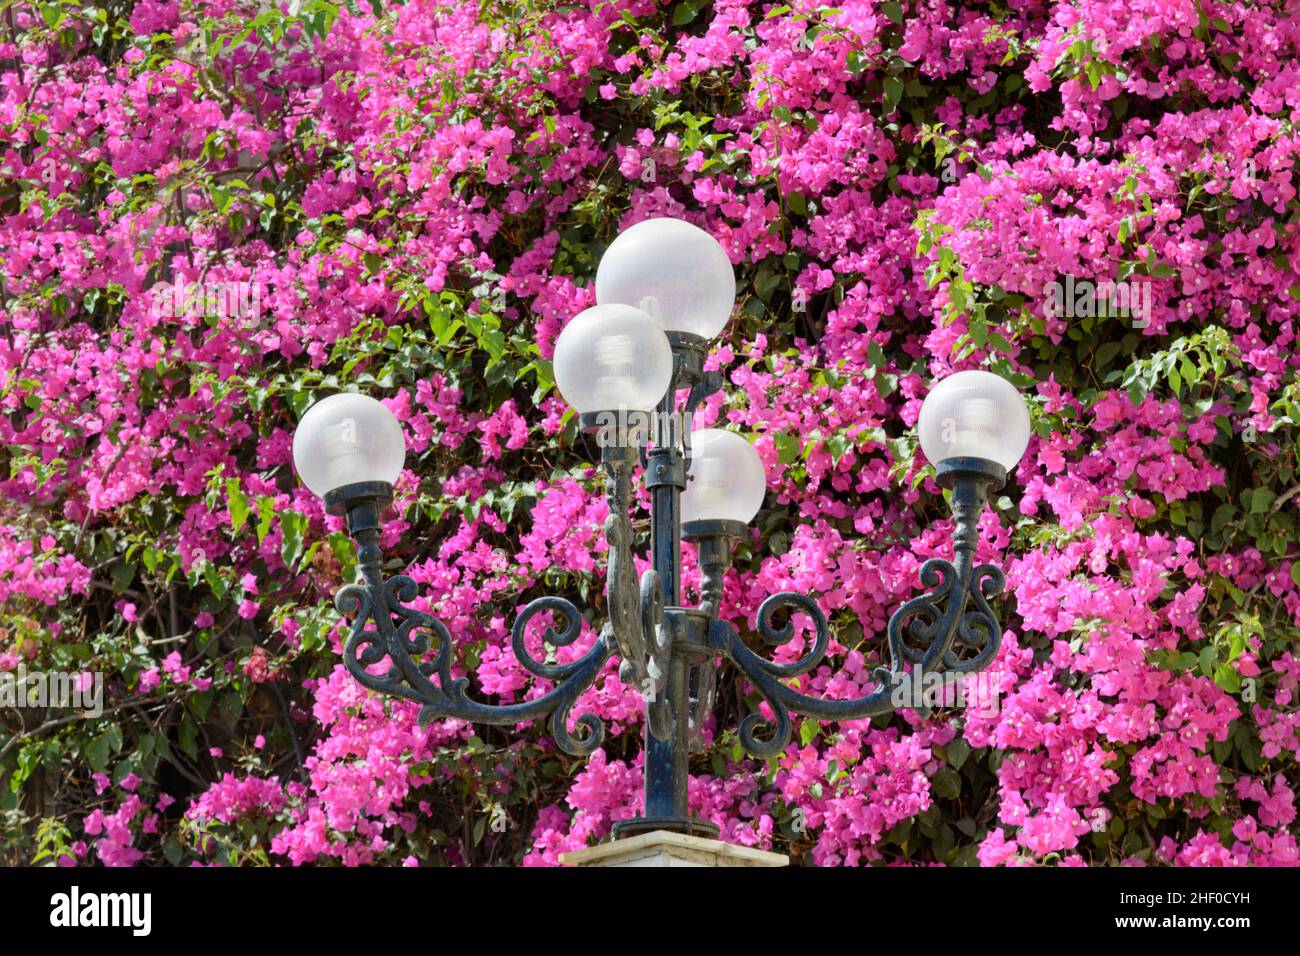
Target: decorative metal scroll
x=417 y=647
x=950 y=629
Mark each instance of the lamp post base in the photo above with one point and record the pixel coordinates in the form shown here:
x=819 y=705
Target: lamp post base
x=690 y=826
x=665 y=848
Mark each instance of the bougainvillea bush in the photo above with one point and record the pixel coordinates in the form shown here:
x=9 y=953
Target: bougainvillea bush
x=213 y=213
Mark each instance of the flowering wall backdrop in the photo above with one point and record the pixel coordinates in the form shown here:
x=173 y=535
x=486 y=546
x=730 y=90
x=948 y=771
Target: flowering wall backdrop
x=212 y=213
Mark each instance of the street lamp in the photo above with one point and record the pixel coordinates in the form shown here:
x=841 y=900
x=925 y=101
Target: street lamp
x=664 y=288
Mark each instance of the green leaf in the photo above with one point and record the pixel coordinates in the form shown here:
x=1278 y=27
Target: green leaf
x=172 y=851
x=893 y=92
x=957 y=752
x=122 y=573
x=900 y=832
x=789 y=447
x=189 y=736
x=1208 y=657
x=238 y=502
x=265 y=512
x=1222 y=515
x=765 y=283
x=1227 y=678
x=1106 y=354
x=97 y=753
x=946 y=783
x=344 y=552
x=293 y=525
x=1261 y=500
x=53 y=14
x=683 y=14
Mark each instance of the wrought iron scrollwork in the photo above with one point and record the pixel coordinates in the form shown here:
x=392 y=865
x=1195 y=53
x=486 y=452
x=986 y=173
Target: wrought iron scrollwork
x=949 y=629
x=418 y=647
x=399 y=634
x=935 y=631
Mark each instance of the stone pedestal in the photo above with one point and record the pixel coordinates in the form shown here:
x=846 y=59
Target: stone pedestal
x=664 y=848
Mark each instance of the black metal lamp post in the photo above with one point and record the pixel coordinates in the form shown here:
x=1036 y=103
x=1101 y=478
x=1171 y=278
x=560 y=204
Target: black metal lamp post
x=664 y=288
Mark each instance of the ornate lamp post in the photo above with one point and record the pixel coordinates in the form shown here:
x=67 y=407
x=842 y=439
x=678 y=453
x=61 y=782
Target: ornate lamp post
x=664 y=289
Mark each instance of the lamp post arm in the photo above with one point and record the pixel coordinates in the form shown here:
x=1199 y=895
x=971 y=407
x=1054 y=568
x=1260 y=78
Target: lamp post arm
x=949 y=629
x=417 y=646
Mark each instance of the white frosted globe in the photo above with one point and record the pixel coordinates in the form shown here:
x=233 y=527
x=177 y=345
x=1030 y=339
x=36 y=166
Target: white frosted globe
x=727 y=480
x=345 y=439
x=974 y=415
x=675 y=271
x=613 y=358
